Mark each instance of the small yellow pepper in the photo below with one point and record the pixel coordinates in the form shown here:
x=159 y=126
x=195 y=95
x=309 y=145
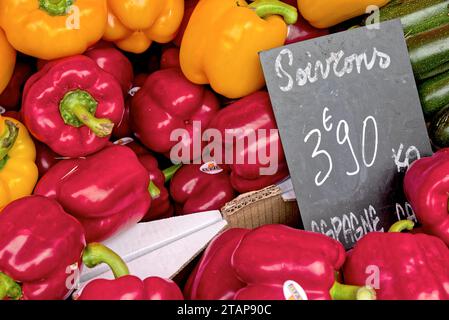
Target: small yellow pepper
x=51 y=29
x=18 y=171
x=328 y=13
x=223 y=38
x=8 y=60
x=133 y=25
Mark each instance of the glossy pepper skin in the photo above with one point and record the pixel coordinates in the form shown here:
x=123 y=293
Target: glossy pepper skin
x=72 y=106
x=41 y=251
x=131 y=288
x=426 y=187
x=8 y=55
x=114 y=62
x=49 y=29
x=196 y=191
x=10 y=98
x=223 y=38
x=204 y=282
x=263 y=259
x=18 y=172
x=409 y=266
x=328 y=13
x=245 y=118
x=161 y=206
x=133 y=25
x=167 y=102
x=107 y=192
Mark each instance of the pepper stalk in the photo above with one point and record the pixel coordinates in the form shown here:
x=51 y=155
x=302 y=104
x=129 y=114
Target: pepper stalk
x=266 y=8
x=7 y=140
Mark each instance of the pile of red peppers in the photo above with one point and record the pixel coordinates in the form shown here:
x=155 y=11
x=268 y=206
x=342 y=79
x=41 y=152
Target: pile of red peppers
x=110 y=131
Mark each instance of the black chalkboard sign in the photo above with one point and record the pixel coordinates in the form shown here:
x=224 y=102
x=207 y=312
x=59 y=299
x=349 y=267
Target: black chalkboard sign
x=351 y=123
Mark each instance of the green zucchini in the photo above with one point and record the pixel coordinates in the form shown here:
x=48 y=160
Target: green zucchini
x=434 y=94
x=429 y=52
x=439 y=129
x=417 y=15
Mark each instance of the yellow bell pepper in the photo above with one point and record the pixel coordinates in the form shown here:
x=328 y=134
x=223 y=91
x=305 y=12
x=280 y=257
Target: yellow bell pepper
x=18 y=171
x=223 y=38
x=328 y=13
x=133 y=25
x=8 y=60
x=51 y=29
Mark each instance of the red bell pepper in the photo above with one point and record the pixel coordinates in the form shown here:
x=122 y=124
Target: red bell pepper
x=170 y=58
x=166 y=102
x=196 y=188
x=10 y=98
x=161 y=207
x=123 y=128
x=107 y=192
x=302 y=30
x=402 y=266
x=426 y=186
x=41 y=250
x=131 y=288
x=113 y=61
x=213 y=277
x=72 y=106
x=264 y=260
x=251 y=116
x=45 y=158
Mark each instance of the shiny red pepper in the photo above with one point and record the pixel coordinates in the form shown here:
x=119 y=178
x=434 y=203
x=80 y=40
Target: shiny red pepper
x=402 y=266
x=166 y=102
x=107 y=192
x=161 y=207
x=131 y=288
x=264 y=260
x=114 y=62
x=72 y=106
x=195 y=190
x=10 y=98
x=41 y=251
x=251 y=116
x=213 y=277
x=426 y=186
x=302 y=30
x=45 y=158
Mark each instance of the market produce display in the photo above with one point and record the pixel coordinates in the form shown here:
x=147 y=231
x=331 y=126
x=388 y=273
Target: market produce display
x=115 y=114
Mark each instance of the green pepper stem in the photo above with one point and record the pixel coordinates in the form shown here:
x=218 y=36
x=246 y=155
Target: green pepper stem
x=9 y=288
x=7 y=140
x=402 y=226
x=170 y=172
x=266 y=8
x=155 y=192
x=96 y=253
x=55 y=7
x=347 y=292
x=78 y=107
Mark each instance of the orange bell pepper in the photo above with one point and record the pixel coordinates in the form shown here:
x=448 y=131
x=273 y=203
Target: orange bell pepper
x=52 y=29
x=328 y=13
x=133 y=25
x=223 y=38
x=18 y=171
x=8 y=60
